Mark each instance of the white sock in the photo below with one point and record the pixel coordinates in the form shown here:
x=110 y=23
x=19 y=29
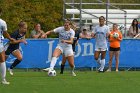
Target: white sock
x=72 y=69
x=3 y=70
x=53 y=62
x=102 y=64
x=98 y=61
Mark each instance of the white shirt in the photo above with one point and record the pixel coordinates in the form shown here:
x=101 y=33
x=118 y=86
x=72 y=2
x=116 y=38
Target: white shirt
x=65 y=35
x=101 y=36
x=3 y=27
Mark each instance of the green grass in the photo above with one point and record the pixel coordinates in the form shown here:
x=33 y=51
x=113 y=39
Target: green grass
x=84 y=82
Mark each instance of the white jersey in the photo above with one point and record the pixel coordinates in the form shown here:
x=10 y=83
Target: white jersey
x=3 y=27
x=101 y=36
x=65 y=35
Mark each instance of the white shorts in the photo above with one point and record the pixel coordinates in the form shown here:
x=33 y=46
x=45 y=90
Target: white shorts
x=66 y=51
x=100 y=49
x=1 y=47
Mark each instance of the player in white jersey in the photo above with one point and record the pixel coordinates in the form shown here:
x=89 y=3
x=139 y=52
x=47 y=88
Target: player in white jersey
x=66 y=36
x=3 y=31
x=101 y=33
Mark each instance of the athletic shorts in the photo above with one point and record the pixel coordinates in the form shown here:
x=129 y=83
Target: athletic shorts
x=66 y=51
x=10 y=50
x=114 y=49
x=101 y=49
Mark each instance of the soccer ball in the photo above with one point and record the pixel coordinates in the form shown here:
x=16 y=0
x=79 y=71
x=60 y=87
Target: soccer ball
x=51 y=73
x=115 y=35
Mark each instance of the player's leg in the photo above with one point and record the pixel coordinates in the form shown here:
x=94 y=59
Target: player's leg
x=18 y=55
x=71 y=63
x=57 y=52
x=63 y=64
x=117 y=54
x=96 y=57
x=70 y=57
x=111 y=54
x=3 y=67
x=103 y=54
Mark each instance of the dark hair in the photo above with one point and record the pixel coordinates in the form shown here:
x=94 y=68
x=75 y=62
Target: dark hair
x=102 y=17
x=36 y=24
x=133 y=25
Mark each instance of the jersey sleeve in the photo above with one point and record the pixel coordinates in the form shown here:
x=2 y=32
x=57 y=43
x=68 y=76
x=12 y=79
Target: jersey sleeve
x=58 y=30
x=72 y=34
x=4 y=27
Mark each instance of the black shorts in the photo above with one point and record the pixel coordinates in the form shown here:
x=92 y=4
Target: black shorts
x=114 y=49
x=10 y=50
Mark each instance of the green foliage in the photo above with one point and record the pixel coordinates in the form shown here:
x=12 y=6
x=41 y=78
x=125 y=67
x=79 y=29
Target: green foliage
x=46 y=12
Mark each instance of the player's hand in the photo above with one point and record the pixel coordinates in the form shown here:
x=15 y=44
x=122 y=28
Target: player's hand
x=24 y=41
x=63 y=41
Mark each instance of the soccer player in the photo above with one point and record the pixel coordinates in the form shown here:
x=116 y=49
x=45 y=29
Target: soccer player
x=75 y=42
x=114 y=49
x=3 y=31
x=66 y=36
x=13 y=48
x=100 y=34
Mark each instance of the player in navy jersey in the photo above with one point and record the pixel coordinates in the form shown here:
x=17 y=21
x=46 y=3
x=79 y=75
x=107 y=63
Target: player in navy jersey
x=13 y=48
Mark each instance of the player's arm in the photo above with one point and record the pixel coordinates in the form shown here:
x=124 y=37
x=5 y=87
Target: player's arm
x=120 y=37
x=47 y=33
x=68 y=41
x=6 y=34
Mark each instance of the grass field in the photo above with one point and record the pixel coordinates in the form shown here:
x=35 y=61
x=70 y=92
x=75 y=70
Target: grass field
x=84 y=82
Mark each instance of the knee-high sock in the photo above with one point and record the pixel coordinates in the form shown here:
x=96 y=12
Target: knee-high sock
x=3 y=70
x=53 y=62
x=72 y=68
x=62 y=68
x=98 y=61
x=16 y=62
x=102 y=64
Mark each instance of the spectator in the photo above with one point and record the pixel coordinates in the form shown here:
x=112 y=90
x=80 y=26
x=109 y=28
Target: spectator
x=134 y=29
x=85 y=34
x=139 y=23
x=37 y=32
x=114 y=49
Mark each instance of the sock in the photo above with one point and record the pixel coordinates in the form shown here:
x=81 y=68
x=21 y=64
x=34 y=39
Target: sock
x=62 y=68
x=98 y=61
x=53 y=62
x=16 y=62
x=72 y=69
x=102 y=64
x=3 y=70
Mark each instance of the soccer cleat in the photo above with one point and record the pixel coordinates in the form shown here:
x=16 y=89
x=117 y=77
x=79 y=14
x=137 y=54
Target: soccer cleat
x=46 y=69
x=5 y=82
x=61 y=72
x=73 y=74
x=109 y=70
x=11 y=72
x=117 y=70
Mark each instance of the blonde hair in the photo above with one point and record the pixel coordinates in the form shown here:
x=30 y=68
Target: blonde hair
x=21 y=24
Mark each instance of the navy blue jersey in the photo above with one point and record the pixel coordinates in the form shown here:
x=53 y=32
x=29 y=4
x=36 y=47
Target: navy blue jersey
x=16 y=36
